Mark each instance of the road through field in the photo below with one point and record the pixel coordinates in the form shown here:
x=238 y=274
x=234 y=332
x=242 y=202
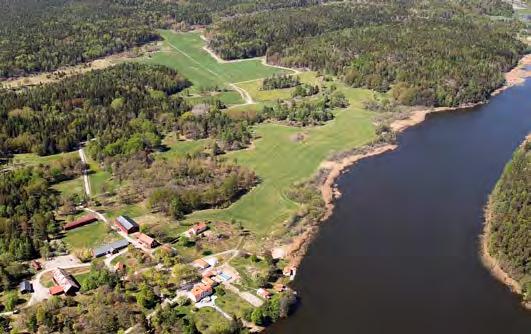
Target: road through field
x=86 y=180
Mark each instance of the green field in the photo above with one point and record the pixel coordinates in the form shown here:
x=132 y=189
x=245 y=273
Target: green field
x=89 y=236
x=31 y=159
x=228 y=98
x=210 y=321
x=70 y=187
x=233 y=304
x=100 y=180
x=278 y=159
x=280 y=162
x=184 y=52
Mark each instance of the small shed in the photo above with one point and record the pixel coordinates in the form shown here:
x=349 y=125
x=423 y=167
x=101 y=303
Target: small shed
x=146 y=240
x=25 y=287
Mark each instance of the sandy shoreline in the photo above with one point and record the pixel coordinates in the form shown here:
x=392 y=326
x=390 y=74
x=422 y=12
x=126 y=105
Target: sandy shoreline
x=492 y=264
x=297 y=248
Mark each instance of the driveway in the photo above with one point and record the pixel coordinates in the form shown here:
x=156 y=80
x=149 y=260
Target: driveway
x=40 y=291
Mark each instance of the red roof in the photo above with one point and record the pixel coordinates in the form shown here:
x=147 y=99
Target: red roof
x=145 y=239
x=56 y=290
x=81 y=221
x=199 y=227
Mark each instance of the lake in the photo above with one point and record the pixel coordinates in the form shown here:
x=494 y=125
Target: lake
x=400 y=253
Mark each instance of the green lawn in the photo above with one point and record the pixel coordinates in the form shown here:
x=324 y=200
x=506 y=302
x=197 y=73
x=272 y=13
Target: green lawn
x=210 y=321
x=233 y=304
x=70 y=187
x=184 y=52
x=227 y=98
x=90 y=236
x=31 y=159
x=280 y=162
x=100 y=180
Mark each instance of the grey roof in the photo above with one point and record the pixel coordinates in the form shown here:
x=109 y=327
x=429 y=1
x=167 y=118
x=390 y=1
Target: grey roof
x=126 y=222
x=109 y=248
x=25 y=286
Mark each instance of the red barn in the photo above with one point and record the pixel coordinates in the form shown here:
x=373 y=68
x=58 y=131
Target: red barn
x=81 y=221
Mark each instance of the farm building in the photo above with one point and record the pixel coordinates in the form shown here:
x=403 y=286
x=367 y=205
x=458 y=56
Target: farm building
x=200 y=264
x=126 y=224
x=200 y=291
x=56 y=290
x=81 y=221
x=146 y=240
x=25 y=287
x=110 y=248
x=197 y=229
x=65 y=280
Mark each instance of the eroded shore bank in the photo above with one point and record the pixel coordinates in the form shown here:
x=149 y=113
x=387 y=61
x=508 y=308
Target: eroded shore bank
x=296 y=250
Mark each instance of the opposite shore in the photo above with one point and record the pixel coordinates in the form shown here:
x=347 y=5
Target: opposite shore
x=489 y=261
x=334 y=168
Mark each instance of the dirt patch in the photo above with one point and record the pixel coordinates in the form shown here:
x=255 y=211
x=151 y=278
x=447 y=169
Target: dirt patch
x=298 y=137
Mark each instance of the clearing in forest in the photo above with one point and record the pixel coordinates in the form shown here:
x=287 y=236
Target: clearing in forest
x=184 y=52
x=278 y=160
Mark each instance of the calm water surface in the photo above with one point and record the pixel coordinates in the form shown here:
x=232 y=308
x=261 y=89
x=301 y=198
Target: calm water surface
x=399 y=254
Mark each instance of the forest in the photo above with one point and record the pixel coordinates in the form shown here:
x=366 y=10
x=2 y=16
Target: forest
x=441 y=54
x=27 y=205
x=43 y=35
x=123 y=107
x=177 y=187
x=509 y=224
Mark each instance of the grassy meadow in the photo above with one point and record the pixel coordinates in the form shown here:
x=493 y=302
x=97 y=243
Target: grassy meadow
x=184 y=52
x=278 y=156
x=90 y=236
x=280 y=161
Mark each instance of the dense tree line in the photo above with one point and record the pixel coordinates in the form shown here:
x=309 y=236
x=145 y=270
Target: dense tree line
x=300 y=113
x=182 y=186
x=305 y=90
x=280 y=81
x=232 y=134
x=305 y=113
x=433 y=53
x=42 y=35
x=122 y=106
x=510 y=218
x=26 y=206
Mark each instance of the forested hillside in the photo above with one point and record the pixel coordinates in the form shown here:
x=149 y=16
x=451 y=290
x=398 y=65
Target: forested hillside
x=27 y=205
x=121 y=106
x=440 y=54
x=42 y=35
x=510 y=218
